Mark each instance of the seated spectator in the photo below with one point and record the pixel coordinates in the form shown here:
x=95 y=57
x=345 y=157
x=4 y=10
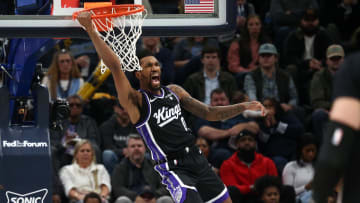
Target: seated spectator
x=242 y=56
x=114 y=133
x=78 y=126
x=84 y=175
x=244 y=167
x=299 y=173
x=268 y=81
x=322 y=88
x=92 y=197
x=268 y=189
x=203 y=145
x=218 y=132
x=199 y=85
x=63 y=77
x=134 y=173
x=304 y=50
x=279 y=132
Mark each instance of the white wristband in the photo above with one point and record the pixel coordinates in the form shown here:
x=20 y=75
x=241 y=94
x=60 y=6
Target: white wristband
x=252 y=114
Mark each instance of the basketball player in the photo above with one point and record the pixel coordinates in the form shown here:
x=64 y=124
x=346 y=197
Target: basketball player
x=156 y=112
x=339 y=155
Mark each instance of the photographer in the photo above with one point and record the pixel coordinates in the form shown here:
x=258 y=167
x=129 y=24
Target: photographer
x=67 y=131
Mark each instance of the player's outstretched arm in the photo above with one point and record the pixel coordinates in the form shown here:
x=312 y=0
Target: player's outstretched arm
x=128 y=97
x=213 y=113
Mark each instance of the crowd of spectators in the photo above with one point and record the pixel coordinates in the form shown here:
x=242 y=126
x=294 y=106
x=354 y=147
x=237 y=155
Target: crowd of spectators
x=284 y=53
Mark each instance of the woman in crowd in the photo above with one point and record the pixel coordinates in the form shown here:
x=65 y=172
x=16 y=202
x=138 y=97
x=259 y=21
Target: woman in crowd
x=299 y=173
x=84 y=176
x=243 y=53
x=63 y=77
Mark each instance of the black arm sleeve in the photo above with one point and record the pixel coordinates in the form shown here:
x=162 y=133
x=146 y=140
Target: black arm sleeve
x=339 y=143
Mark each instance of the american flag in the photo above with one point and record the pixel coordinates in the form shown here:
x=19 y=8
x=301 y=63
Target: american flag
x=199 y=6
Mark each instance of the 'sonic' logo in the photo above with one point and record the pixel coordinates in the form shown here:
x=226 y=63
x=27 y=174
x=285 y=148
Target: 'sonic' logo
x=32 y=197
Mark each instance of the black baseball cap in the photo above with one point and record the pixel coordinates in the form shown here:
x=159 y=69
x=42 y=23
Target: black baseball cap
x=245 y=133
x=233 y=140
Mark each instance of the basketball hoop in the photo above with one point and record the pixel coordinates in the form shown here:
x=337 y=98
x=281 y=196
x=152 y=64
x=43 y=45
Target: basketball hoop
x=120 y=27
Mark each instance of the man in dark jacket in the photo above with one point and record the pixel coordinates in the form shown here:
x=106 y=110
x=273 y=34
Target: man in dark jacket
x=135 y=173
x=322 y=88
x=199 y=85
x=305 y=48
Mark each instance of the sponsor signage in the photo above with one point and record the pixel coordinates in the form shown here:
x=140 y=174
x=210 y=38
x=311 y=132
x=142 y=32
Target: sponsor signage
x=32 y=197
x=23 y=144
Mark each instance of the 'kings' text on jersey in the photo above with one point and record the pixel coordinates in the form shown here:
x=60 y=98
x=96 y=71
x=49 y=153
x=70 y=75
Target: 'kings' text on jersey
x=162 y=124
x=166 y=115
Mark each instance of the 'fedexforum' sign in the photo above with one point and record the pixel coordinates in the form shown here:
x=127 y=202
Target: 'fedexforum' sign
x=25 y=143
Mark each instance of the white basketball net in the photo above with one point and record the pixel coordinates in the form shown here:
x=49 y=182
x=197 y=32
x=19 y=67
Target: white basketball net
x=121 y=34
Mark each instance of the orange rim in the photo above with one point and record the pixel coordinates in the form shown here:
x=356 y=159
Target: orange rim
x=121 y=10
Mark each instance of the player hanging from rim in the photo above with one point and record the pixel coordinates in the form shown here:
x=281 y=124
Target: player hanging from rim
x=156 y=112
x=339 y=154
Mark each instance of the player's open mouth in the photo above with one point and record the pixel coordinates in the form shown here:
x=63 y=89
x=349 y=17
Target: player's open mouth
x=155 y=79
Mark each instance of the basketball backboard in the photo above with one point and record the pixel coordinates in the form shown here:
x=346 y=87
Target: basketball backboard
x=164 y=18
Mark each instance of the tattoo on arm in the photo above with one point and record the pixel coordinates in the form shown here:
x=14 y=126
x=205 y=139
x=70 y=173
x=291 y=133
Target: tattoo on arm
x=228 y=111
x=204 y=111
x=194 y=106
x=190 y=104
